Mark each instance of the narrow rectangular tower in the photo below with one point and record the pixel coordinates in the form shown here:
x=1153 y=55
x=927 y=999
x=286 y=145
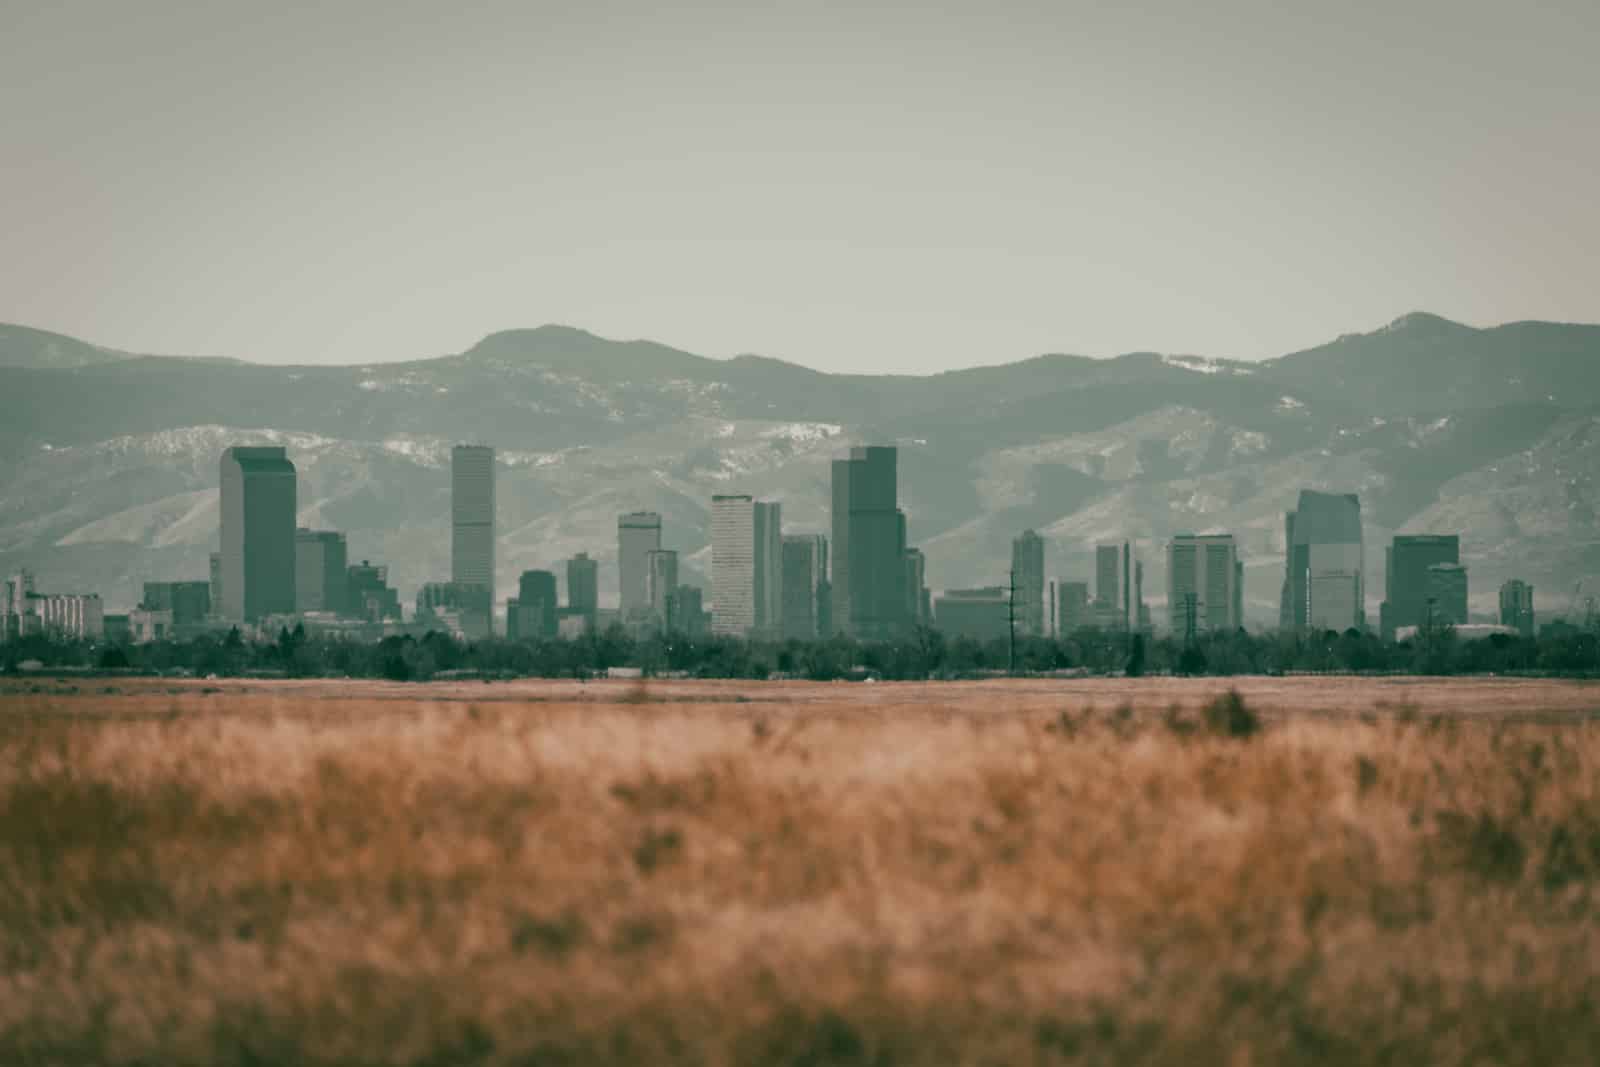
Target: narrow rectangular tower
x=1027 y=571
x=258 y=516
x=472 y=513
x=638 y=535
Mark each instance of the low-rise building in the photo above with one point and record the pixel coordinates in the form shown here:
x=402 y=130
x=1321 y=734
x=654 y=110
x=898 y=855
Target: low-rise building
x=982 y=614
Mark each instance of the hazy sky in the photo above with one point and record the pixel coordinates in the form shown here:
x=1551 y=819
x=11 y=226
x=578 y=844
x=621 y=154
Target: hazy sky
x=890 y=187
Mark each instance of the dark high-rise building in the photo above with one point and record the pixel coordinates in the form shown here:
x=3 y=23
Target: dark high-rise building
x=1108 y=577
x=869 y=542
x=533 y=612
x=321 y=572
x=370 y=595
x=216 y=583
x=1027 y=574
x=768 y=564
x=472 y=515
x=1323 y=587
x=1446 y=603
x=1072 y=611
x=686 y=612
x=1516 y=606
x=1203 y=584
x=189 y=602
x=1408 y=560
x=919 y=609
x=638 y=535
x=805 y=566
x=583 y=585
x=258 y=513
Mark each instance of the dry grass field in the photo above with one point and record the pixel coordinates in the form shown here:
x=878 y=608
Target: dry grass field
x=1398 y=872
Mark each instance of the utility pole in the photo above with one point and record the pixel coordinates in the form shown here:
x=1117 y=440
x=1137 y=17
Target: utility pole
x=1011 y=623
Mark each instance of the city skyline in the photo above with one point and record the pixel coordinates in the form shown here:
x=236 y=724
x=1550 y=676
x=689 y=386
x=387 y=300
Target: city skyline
x=1324 y=572
x=1322 y=586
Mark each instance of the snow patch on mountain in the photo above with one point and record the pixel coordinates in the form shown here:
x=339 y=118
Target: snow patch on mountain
x=200 y=440
x=804 y=432
x=1206 y=365
x=1247 y=443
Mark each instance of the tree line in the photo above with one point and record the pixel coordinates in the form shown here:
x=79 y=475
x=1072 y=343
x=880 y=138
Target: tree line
x=925 y=654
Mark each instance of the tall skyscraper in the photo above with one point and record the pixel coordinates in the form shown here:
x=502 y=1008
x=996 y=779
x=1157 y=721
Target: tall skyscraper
x=583 y=585
x=919 y=609
x=1408 y=560
x=472 y=514
x=1203 y=584
x=805 y=568
x=661 y=581
x=321 y=571
x=258 y=513
x=638 y=535
x=1027 y=572
x=1516 y=606
x=869 y=542
x=1323 y=588
x=1108 y=577
x=746 y=566
x=768 y=565
x=733 y=571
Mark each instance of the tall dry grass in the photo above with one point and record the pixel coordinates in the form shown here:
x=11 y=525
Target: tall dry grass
x=994 y=877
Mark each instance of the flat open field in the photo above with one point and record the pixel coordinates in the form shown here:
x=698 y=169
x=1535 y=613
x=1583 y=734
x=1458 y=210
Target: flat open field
x=1011 y=872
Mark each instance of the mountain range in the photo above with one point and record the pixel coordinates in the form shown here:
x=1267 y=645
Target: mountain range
x=109 y=460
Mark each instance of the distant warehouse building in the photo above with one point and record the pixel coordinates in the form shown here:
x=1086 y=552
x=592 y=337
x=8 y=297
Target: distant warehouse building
x=25 y=612
x=78 y=615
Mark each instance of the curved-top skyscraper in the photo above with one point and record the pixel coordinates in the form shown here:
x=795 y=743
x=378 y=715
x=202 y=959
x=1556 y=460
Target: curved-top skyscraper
x=258 y=523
